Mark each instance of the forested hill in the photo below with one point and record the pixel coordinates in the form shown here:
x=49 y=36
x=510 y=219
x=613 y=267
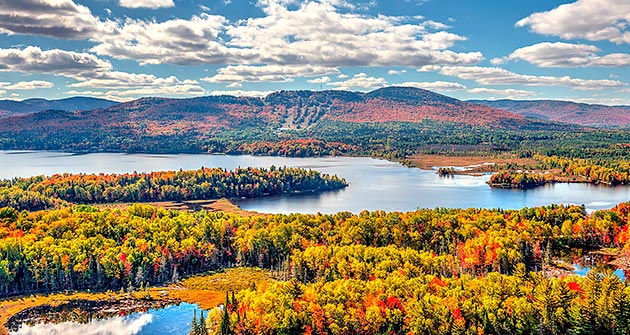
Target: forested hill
x=286 y=109
x=223 y=123
x=12 y=107
x=565 y=111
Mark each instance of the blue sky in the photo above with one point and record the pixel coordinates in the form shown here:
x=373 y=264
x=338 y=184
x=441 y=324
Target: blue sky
x=125 y=49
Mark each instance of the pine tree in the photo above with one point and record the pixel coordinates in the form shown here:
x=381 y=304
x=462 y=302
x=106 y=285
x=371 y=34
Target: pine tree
x=201 y=326
x=194 y=325
x=225 y=320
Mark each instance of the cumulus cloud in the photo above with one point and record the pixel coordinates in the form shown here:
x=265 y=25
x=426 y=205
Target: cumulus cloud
x=311 y=32
x=359 y=81
x=594 y=20
x=54 y=18
x=562 y=54
x=503 y=93
x=27 y=85
x=442 y=86
x=153 y=4
x=90 y=72
x=267 y=73
x=499 y=76
x=243 y=93
x=67 y=63
x=177 y=41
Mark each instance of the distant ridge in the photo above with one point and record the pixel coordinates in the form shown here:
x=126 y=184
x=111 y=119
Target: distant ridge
x=11 y=107
x=565 y=111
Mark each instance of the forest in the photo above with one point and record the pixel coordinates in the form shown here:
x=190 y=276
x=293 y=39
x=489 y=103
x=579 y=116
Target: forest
x=41 y=192
x=607 y=171
x=431 y=271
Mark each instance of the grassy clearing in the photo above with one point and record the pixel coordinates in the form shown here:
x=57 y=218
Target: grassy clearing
x=427 y=162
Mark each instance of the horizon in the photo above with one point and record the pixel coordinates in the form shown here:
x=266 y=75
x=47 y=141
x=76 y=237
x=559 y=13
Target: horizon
x=308 y=90
x=122 y=50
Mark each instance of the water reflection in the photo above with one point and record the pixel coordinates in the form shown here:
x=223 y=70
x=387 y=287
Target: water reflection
x=171 y=320
x=115 y=326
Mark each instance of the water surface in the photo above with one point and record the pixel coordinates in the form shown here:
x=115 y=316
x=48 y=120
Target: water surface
x=374 y=184
x=172 y=320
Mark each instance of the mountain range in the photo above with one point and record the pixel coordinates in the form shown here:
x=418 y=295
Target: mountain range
x=284 y=109
x=12 y=107
x=565 y=111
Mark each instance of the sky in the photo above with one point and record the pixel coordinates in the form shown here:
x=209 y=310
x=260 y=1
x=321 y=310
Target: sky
x=469 y=49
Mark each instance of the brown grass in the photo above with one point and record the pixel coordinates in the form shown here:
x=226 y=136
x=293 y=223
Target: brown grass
x=220 y=205
x=427 y=162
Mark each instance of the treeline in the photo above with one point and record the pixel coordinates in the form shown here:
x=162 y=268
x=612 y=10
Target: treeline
x=605 y=171
x=82 y=247
x=560 y=169
x=297 y=148
x=42 y=192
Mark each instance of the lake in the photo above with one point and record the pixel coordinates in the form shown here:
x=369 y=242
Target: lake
x=374 y=184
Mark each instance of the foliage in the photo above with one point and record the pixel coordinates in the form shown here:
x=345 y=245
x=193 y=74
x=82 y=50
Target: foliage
x=207 y=183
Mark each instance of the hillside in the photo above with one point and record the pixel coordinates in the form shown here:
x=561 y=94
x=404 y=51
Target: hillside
x=565 y=111
x=180 y=125
x=11 y=107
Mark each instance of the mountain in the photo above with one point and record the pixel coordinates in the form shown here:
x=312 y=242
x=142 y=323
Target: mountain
x=11 y=107
x=181 y=124
x=565 y=111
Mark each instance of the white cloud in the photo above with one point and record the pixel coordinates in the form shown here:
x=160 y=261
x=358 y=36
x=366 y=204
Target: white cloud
x=116 y=79
x=54 y=18
x=234 y=85
x=442 y=86
x=506 y=93
x=27 y=85
x=267 y=73
x=90 y=72
x=499 y=76
x=177 y=41
x=561 y=54
x=342 y=76
x=127 y=94
x=429 y=68
x=594 y=20
x=608 y=101
x=396 y=72
x=320 y=80
x=153 y=4
x=314 y=32
x=118 y=325
x=242 y=93
x=361 y=81
x=67 y=63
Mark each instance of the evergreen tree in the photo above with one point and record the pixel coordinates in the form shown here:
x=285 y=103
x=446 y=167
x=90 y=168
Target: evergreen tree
x=194 y=325
x=225 y=320
x=201 y=326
